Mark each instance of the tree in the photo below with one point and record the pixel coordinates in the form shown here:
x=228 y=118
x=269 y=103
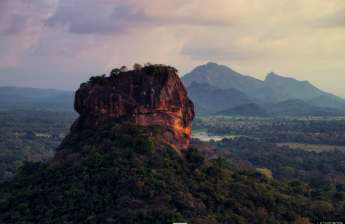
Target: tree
x=30 y=135
x=98 y=79
x=137 y=67
x=123 y=69
x=265 y=172
x=115 y=72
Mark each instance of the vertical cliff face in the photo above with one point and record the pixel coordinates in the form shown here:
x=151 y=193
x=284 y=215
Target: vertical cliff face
x=153 y=95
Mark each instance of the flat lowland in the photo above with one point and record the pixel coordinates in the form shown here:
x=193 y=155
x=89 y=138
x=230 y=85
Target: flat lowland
x=312 y=147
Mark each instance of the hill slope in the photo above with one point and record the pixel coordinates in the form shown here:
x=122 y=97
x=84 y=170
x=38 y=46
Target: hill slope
x=296 y=107
x=127 y=175
x=251 y=109
x=329 y=101
x=220 y=76
x=291 y=88
x=212 y=99
x=274 y=89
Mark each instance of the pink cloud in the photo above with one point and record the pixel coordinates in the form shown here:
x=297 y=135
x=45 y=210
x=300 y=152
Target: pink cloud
x=20 y=27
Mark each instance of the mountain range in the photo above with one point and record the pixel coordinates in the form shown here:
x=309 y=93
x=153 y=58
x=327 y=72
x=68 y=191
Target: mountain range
x=217 y=89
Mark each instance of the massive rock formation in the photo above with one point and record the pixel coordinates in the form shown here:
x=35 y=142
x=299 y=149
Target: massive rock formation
x=153 y=95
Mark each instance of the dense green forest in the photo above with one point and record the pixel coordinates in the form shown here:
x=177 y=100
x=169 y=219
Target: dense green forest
x=125 y=174
x=313 y=130
x=311 y=150
x=324 y=170
x=29 y=135
x=250 y=179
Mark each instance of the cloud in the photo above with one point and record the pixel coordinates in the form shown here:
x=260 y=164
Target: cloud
x=208 y=53
x=114 y=16
x=91 y=17
x=21 y=23
x=61 y=40
x=22 y=16
x=333 y=20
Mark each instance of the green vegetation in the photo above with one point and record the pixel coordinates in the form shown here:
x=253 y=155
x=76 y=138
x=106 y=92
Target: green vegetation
x=324 y=171
x=313 y=147
x=29 y=135
x=264 y=171
x=306 y=149
x=114 y=73
x=125 y=174
x=309 y=150
x=309 y=130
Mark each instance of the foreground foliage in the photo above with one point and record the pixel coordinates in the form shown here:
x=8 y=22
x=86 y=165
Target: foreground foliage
x=29 y=135
x=126 y=175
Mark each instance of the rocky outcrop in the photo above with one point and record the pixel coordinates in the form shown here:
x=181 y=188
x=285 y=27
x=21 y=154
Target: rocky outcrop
x=153 y=95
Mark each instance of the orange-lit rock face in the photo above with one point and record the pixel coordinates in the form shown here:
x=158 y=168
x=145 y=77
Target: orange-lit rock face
x=151 y=96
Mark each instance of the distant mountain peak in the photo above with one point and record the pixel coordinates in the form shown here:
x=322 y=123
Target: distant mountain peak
x=212 y=66
x=220 y=76
x=272 y=76
x=275 y=88
x=212 y=63
x=215 y=66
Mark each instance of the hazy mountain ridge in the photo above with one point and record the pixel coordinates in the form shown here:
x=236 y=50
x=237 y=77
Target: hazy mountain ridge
x=35 y=99
x=220 y=76
x=266 y=94
x=214 y=89
x=213 y=99
x=292 y=88
x=251 y=109
x=297 y=107
x=293 y=107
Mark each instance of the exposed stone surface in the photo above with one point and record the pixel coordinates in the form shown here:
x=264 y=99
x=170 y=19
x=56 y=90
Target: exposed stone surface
x=153 y=95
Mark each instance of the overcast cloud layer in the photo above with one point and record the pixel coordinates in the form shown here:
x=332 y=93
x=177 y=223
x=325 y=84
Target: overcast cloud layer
x=59 y=43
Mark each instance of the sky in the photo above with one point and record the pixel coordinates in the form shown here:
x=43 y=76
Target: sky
x=61 y=43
